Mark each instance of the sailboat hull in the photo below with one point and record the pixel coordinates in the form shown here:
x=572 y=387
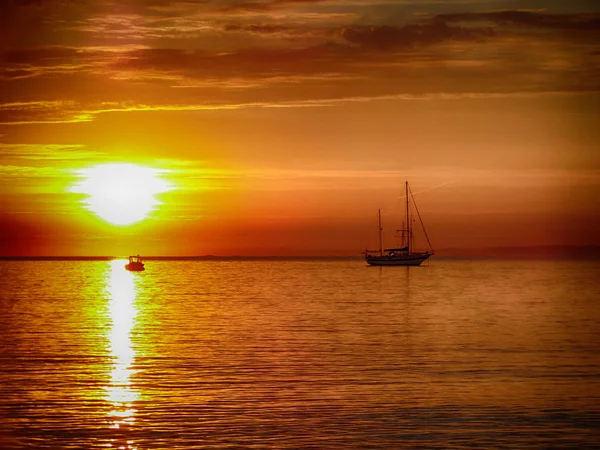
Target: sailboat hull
x=397 y=260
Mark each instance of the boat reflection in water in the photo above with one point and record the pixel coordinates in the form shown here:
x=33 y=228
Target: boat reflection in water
x=119 y=392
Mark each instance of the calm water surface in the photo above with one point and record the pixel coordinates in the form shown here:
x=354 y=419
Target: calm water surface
x=299 y=354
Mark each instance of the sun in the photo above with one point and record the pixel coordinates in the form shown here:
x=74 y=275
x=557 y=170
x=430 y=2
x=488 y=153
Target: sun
x=121 y=194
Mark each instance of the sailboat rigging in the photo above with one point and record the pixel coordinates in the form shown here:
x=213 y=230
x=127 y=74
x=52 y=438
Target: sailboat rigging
x=405 y=254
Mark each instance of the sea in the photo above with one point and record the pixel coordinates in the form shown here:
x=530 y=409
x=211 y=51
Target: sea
x=300 y=354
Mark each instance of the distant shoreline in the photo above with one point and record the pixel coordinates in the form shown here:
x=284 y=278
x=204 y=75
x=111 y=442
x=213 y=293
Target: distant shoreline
x=534 y=252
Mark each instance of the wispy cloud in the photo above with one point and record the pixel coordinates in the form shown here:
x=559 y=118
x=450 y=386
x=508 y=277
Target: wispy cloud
x=47 y=152
x=9 y=171
x=19 y=113
x=74 y=113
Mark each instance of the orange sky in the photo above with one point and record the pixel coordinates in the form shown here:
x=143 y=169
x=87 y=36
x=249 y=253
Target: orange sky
x=283 y=125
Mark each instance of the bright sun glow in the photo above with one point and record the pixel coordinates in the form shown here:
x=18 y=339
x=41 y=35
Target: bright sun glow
x=121 y=194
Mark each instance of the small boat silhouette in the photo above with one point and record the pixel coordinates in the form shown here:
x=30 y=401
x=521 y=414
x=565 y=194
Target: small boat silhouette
x=135 y=264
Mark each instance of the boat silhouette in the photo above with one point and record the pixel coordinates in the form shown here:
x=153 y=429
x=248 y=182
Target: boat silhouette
x=403 y=255
x=135 y=264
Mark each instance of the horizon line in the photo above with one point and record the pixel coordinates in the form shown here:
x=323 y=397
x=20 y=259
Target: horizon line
x=591 y=250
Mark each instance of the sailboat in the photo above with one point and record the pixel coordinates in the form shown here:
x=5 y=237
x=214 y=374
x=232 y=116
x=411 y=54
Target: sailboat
x=403 y=255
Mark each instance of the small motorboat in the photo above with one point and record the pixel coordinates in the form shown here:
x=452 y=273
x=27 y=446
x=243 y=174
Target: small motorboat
x=135 y=264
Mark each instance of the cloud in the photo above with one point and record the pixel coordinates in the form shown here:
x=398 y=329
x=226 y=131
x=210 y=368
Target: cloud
x=13 y=74
x=268 y=5
x=289 y=31
x=136 y=53
x=42 y=112
x=9 y=171
x=40 y=56
x=249 y=63
x=46 y=152
x=532 y=19
x=36 y=114
x=40 y=61
x=388 y=37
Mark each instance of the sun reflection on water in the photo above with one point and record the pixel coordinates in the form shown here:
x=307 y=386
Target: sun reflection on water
x=119 y=392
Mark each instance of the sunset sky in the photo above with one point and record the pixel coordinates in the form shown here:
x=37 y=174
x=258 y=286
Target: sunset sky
x=279 y=127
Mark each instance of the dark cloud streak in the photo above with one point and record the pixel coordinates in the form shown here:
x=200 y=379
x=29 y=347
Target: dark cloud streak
x=533 y=19
x=390 y=37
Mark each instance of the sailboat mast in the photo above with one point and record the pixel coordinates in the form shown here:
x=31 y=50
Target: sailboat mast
x=403 y=240
x=380 y=230
x=407 y=217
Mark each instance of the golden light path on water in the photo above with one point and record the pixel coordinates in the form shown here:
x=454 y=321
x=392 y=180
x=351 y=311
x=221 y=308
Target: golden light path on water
x=120 y=392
